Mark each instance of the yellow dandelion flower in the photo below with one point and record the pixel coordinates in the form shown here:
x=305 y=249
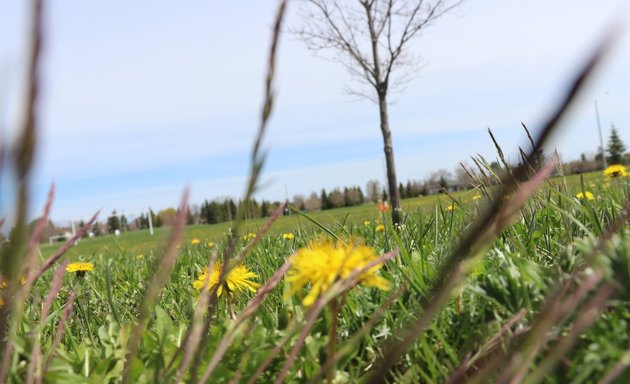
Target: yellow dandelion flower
x=139 y=257
x=4 y=283
x=237 y=280
x=367 y=222
x=380 y=228
x=195 y=241
x=321 y=264
x=203 y=276
x=450 y=207
x=211 y=244
x=288 y=236
x=586 y=195
x=615 y=171
x=249 y=236
x=80 y=268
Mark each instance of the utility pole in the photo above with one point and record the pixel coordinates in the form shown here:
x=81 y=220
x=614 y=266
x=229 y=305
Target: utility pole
x=601 y=139
x=150 y=223
x=74 y=231
x=287 y=211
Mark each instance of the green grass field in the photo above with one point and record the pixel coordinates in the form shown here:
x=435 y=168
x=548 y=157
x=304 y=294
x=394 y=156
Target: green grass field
x=140 y=242
x=499 y=308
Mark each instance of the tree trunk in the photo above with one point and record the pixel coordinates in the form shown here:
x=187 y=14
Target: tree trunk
x=388 y=147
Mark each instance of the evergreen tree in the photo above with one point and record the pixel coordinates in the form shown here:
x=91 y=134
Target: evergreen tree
x=424 y=190
x=243 y=207
x=211 y=212
x=232 y=210
x=204 y=212
x=335 y=199
x=255 y=208
x=144 y=221
x=401 y=190
x=216 y=212
x=443 y=183
x=190 y=218
x=264 y=209
x=96 y=229
x=347 y=197
x=324 y=199
x=616 y=148
x=113 y=222
x=124 y=225
x=81 y=225
x=352 y=196
x=156 y=219
x=361 y=195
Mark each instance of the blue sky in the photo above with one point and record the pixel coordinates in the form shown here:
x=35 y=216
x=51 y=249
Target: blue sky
x=143 y=98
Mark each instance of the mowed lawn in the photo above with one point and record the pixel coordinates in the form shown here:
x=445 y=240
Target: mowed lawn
x=141 y=242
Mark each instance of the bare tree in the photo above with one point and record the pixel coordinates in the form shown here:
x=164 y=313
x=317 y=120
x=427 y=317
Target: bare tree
x=313 y=203
x=335 y=198
x=439 y=179
x=373 y=190
x=462 y=177
x=370 y=38
x=298 y=201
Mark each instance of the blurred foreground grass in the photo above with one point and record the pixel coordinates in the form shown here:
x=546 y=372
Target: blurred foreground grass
x=549 y=244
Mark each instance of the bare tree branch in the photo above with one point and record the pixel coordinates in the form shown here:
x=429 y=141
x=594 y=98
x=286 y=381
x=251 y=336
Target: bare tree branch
x=370 y=38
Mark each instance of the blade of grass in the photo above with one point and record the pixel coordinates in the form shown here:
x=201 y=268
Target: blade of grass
x=109 y=294
x=351 y=344
x=277 y=213
x=162 y=271
x=317 y=223
x=35 y=372
x=485 y=228
x=11 y=258
x=588 y=314
x=488 y=348
x=499 y=152
x=257 y=162
x=194 y=336
x=210 y=301
x=455 y=270
x=556 y=307
x=61 y=251
x=36 y=236
x=291 y=330
x=339 y=287
x=618 y=369
x=67 y=311
x=249 y=310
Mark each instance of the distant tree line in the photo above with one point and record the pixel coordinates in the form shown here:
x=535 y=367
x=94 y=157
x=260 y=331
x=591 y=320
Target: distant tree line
x=616 y=154
x=226 y=209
